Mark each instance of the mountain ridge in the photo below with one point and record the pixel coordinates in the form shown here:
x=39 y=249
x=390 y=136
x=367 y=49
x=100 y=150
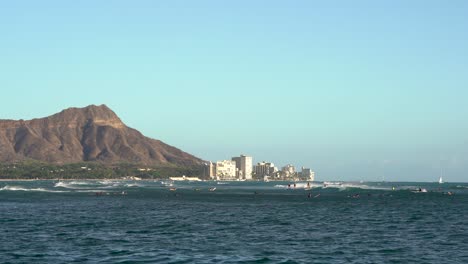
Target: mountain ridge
x=93 y=133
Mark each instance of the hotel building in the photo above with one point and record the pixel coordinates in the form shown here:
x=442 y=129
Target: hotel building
x=226 y=170
x=263 y=169
x=244 y=165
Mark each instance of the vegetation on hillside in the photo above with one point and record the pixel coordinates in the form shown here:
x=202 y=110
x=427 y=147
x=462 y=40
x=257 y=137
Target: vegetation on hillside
x=88 y=170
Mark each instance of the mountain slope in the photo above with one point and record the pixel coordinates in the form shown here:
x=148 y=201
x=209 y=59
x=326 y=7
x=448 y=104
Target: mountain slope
x=93 y=133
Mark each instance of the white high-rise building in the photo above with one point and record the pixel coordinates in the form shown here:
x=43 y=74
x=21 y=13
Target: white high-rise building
x=245 y=166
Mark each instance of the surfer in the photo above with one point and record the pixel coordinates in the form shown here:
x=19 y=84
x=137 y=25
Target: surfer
x=309 y=195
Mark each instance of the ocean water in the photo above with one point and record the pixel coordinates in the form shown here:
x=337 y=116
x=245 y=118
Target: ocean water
x=239 y=222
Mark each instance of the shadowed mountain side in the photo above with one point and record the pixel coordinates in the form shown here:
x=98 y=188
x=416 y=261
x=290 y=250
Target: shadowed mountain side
x=93 y=133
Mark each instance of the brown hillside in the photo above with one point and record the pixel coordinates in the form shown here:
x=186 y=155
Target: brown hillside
x=93 y=133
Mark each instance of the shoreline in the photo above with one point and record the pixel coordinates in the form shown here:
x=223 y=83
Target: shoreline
x=163 y=179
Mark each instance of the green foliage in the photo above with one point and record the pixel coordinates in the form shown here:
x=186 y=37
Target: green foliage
x=90 y=170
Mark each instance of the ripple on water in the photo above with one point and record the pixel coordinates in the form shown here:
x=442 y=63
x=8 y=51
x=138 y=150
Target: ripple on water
x=230 y=226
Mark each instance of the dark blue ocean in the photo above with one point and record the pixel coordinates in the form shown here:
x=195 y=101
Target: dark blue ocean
x=239 y=222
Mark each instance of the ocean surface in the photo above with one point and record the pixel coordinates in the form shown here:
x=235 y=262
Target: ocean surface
x=238 y=222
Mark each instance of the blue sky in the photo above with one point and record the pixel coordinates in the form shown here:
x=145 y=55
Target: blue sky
x=357 y=90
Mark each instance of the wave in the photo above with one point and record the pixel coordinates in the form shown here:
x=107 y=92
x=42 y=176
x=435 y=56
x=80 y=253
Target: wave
x=109 y=182
x=332 y=185
x=19 y=188
x=72 y=185
x=134 y=185
x=167 y=184
x=345 y=186
x=300 y=185
x=91 y=191
x=84 y=185
x=80 y=182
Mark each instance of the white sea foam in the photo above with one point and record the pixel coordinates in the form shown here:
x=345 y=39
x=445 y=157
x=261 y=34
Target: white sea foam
x=363 y=186
x=331 y=185
x=80 y=182
x=280 y=186
x=347 y=185
x=71 y=185
x=109 y=182
x=168 y=184
x=19 y=188
x=89 y=191
x=84 y=185
x=299 y=185
x=134 y=185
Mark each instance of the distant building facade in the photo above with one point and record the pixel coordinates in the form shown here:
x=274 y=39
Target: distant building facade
x=210 y=170
x=288 y=171
x=241 y=168
x=263 y=169
x=307 y=174
x=226 y=170
x=244 y=165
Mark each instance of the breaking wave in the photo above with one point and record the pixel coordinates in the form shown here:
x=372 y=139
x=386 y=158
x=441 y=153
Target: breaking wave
x=19 y=188
x=331 y=185
x=72 y=185
x=84 y=185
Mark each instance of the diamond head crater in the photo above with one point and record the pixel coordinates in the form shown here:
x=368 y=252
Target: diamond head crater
x=89 y=142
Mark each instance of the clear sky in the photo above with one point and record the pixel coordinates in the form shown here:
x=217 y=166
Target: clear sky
x=356 y=90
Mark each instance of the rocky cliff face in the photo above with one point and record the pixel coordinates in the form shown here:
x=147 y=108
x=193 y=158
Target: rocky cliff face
x=93 y=133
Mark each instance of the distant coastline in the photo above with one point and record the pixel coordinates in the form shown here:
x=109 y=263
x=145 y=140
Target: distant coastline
x=34 y=170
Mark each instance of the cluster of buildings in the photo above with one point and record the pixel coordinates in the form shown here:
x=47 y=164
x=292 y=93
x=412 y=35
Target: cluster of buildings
x=242 y=168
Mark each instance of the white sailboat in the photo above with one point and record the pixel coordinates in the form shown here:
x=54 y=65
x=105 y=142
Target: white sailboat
x=440 y=177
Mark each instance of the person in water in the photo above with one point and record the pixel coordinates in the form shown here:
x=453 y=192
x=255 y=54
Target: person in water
x=309 y=195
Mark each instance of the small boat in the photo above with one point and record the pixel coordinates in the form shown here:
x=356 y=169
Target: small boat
x=172 y=189
x=213 y=189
